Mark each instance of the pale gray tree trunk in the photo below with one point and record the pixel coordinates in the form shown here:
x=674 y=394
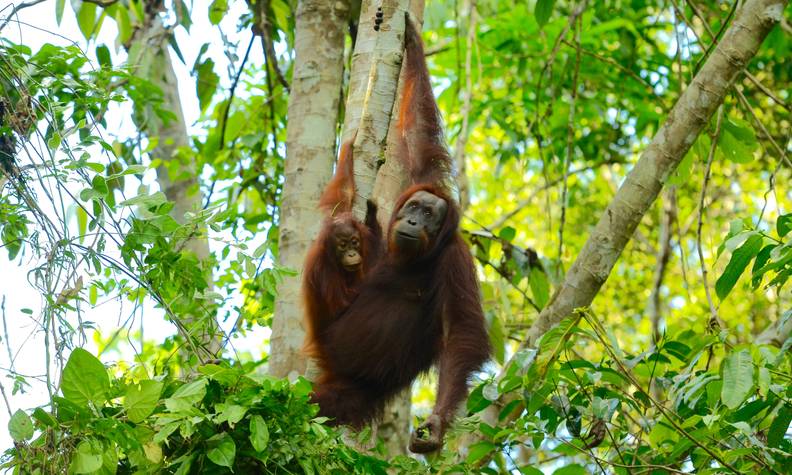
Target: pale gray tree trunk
x=310 y=154
x=150 y=58
x=376 y=64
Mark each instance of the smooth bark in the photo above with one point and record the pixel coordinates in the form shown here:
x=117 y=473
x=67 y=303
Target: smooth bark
x=310 y=154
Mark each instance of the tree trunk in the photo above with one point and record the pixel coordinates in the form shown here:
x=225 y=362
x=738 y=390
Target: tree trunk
x=178 y=178
x=376 y=64
x=310 y=154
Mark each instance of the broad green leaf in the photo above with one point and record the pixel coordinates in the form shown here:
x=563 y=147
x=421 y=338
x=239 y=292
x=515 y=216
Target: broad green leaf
x=259 y=433
x=86 y=19
x=779 y=426
x=222 y=450
x=543 y=10
x=528 y=470
x=84 y=379
x=187 y=396
x=20 y=426
x=733 y=145
x=737 y=264
x=141 y=399
x=479 y=450
x=124 y=25
x=217 y=11
x=44 y=417
x=507 y=234
x=87 y=458
x=738 y=380
x=476 y=401
x=103 y=56
x=784 y=224
x=232 y=414
x=540 y=287
x=206 y=83
x=146 y=201
x=153 y=451
x=573 y=469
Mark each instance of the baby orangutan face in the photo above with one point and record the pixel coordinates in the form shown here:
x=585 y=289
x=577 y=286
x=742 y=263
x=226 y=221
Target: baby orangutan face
x=346 y=242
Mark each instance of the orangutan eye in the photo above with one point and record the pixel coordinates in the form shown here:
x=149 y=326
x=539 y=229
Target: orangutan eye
x=427 y=213
x=412 y=205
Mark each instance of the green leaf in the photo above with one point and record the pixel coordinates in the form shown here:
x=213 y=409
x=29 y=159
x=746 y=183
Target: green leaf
x=123 y=23
x=141 y=399
x=479 y=450
x=476 y=401
x=20 y=426
x=103 y=56
x=59 y=4
x=84 y=379
x=222 y=450
x=737 y=264
x=187 y=396
x=232 y=414
x=217 y=11
x=540 y=287
x=779 y=426
x=259 y=433
x=146 y=201
x=784 y=224
x=738 y=380
x=543 y=10
x=507 y=234
x=86 y=19
x=206 y=84
x=87 y=458
x=573 y=469
x=736 y=142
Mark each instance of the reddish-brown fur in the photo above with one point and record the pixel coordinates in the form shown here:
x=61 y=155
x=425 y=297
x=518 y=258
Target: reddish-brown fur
x=410 y=312
x=329 y=288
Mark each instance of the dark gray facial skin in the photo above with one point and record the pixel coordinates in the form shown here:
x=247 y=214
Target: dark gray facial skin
x=418 y=221
x=347 y=246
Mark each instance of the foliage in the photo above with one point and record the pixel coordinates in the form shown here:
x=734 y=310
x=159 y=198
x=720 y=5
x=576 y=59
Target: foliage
x=223 y=421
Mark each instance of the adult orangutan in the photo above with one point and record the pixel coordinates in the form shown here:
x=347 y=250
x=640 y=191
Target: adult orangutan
x=419 y=305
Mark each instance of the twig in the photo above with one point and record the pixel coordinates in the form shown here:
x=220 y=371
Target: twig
x=663 y=255
x=233 y=90
x=614 y=63
x=5 y=336
x=17 y=8
x=520 y=206
x=464 y=192
x=267 y=44
x=570 y=144
x=713 y=321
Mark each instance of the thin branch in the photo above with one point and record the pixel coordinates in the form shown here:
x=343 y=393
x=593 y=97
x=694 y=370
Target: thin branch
x=464 y=133
x=17 y=8
x=713 y=320
x=570 y=144
x=614 y=63
x=233 y=90
x=663 y=255
x=265 y=31
x=522 y=204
